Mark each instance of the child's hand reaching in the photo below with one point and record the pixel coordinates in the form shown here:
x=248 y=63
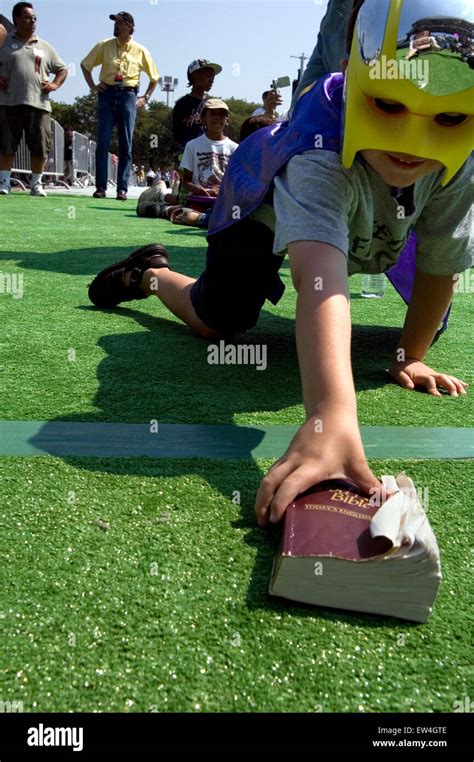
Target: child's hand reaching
x=327 y=446
x=411 y=373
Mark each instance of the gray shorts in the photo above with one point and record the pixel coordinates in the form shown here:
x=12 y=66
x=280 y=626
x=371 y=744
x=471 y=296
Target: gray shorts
x=34 y=122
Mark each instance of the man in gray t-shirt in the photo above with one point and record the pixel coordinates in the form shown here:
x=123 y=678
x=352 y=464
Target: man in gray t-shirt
x=26 y=62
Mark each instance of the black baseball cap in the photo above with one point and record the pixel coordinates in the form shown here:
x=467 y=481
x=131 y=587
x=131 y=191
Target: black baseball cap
x=123 y=16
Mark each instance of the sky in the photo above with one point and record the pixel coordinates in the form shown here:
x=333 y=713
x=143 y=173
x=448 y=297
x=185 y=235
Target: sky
x=253 y=40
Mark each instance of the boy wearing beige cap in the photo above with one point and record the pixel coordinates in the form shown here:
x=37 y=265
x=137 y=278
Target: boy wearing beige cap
x=205 y=158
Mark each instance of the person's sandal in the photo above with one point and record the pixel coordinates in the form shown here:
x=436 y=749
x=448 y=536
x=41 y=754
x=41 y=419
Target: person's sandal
x=108 y=289
x=185 y=216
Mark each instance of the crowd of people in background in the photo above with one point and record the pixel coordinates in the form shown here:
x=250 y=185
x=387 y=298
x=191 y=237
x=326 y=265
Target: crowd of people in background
x=25 y=108
x=152 y=175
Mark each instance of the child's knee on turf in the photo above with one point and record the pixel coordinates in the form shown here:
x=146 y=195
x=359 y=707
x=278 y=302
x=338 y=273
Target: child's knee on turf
x=204 y=332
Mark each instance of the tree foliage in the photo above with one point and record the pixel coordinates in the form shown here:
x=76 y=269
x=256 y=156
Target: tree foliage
x=240 y=110
x=152 y=140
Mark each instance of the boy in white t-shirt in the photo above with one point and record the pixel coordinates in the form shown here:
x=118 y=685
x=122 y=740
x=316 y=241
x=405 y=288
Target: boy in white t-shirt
x=205 y=158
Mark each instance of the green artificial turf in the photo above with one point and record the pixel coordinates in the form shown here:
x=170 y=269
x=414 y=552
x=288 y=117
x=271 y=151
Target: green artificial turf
x=139 y=362
x=167 y=608
x=141 y=585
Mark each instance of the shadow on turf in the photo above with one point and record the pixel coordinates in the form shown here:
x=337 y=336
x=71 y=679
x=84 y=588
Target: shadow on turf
x=92 y=261
x=162 y=374
x=147 y=375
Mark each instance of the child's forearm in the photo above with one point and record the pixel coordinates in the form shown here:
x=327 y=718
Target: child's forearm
x=191 y=187
x=328 y=445
x=432 y=295
x=323 y=326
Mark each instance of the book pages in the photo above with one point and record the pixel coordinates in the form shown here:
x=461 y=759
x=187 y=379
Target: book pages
x=402 y=518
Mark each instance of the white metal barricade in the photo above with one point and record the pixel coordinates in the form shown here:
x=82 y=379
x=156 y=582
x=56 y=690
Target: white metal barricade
x=80 y=152
x=84 y=169
x=83 y=157
x=55 y=162
x=92 y=150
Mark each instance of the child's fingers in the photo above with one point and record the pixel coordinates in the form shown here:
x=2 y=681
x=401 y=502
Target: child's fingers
x=298 y=481
x=447 y=383
x=459 y=385
x=268 y=487
x=366 y=479
x=404 y=380
x=431 y=387
x=452 y=385
x=306 y=476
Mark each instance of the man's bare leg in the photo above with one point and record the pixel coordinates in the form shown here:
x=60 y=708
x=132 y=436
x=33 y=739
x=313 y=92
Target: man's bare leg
x=37 y=165
x=173 y=289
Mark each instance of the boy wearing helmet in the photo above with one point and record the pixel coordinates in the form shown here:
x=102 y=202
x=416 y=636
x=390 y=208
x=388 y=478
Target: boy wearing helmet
x=363 y=163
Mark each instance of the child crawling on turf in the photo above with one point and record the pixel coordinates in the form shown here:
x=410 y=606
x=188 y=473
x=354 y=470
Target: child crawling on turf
x=341 y=188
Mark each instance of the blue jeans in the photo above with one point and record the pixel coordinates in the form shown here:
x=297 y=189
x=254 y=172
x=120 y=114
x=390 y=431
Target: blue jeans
x=116 y=107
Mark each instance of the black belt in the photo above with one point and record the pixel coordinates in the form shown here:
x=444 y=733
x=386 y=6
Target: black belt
x=122 y=87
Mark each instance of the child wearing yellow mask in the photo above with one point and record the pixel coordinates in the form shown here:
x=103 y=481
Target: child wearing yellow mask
x=365 y=161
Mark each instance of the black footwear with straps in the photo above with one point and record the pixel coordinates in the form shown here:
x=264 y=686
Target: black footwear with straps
x=108 y=289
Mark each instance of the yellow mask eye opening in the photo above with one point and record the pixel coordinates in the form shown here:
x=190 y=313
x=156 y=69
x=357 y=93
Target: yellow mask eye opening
x=389 y=107
x=450 y=120
x=394 y=108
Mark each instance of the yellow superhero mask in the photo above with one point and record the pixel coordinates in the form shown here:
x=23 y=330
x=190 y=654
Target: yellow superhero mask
x=410 y=81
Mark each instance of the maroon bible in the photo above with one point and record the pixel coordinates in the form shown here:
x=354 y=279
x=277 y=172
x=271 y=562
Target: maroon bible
x=333 y=553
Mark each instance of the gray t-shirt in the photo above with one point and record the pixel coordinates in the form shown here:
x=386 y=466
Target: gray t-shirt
x=316 y=199
x=26 y=67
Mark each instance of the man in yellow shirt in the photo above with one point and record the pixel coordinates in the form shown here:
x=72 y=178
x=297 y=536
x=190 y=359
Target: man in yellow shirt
x=121 y=60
